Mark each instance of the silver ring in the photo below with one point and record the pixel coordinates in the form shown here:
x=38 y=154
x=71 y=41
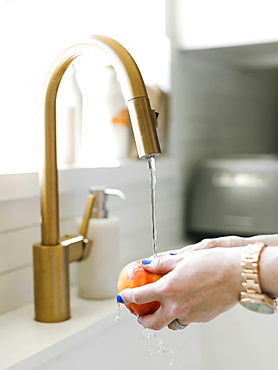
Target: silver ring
x=177 y=325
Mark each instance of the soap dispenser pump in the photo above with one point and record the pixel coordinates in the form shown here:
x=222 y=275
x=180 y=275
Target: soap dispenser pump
x=98 y=274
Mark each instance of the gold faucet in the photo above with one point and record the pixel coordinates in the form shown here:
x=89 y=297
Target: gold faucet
x=52 y=256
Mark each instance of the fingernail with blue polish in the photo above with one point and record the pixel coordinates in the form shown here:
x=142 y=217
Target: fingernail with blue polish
x=146 y=262
x=172 y=254
x=119 y=299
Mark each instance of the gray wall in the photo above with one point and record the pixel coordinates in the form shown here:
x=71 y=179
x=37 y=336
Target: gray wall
x=219 y=108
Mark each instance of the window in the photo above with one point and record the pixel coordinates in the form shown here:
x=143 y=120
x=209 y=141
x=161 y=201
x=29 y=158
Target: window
x=35 y=32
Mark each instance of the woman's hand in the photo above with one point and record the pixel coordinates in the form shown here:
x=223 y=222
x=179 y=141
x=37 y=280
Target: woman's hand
x=220 y=242
x=231 y=242
x=197 y=286
x=225 y=242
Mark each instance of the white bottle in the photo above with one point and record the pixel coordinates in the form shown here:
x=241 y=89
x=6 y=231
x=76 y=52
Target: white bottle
x=69 y=118
x=98 y=274
x=117 y=114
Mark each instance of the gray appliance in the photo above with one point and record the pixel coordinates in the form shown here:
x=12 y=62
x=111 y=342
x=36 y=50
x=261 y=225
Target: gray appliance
x=236 y=195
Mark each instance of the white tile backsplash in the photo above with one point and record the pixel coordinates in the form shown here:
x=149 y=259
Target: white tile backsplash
x=16 y=288
x=15 y=248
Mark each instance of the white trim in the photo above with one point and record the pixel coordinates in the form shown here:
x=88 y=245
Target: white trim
x=26 y=185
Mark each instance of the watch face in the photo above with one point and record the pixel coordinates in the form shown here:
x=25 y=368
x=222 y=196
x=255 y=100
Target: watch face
x=257 y=306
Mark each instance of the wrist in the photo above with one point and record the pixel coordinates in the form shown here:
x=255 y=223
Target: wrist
x=234 y=256
x=268 y=271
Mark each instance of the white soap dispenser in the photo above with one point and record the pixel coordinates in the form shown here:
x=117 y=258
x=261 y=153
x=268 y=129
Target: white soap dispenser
x=98 y=274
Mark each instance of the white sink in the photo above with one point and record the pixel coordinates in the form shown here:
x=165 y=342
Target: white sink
x=126 y=345
x=92 y=339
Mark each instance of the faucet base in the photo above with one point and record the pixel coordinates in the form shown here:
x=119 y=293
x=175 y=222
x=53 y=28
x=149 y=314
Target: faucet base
x=51 y=276
x=51 y=283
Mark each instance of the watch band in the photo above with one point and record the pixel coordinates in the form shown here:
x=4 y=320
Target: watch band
x=250 y=268
x=251 y=296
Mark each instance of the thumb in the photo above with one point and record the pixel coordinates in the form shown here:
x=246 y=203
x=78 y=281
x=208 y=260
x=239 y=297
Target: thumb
x=160 y=265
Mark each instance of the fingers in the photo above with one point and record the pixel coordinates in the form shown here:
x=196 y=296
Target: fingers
x=162 y=264
x=157 y=291
x=145 y=294
x=139 y=295
x=155 y=321
x=160 y=319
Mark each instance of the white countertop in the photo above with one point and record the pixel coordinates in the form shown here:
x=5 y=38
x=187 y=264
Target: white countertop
x=22 y=338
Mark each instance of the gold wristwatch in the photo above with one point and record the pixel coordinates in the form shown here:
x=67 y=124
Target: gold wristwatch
x=252 y=297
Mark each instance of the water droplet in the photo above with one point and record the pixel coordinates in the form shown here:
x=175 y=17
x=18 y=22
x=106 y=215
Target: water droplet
x=157 y=348
x=118 y=316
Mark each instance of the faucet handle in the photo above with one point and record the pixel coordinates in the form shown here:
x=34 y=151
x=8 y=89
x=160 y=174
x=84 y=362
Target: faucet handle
x=87 y=215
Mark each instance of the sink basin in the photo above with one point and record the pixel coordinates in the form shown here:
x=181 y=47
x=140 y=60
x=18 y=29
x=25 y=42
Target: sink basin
x=127 y=345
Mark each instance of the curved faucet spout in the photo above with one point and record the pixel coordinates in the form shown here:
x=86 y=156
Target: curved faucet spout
x=143 y=121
